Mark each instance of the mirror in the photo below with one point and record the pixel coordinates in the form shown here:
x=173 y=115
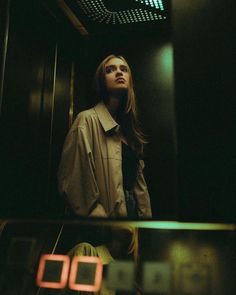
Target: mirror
x=181 y=61
x=52 y=52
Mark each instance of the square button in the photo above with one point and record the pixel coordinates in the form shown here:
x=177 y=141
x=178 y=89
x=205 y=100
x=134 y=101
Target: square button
x=120 y=276
x=21 y=252
x=195 y=278
x=86 y=274
x=156 y=277
x=53 y=271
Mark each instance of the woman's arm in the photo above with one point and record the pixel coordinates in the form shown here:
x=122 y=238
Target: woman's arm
x=141 y=193
x=76 y=177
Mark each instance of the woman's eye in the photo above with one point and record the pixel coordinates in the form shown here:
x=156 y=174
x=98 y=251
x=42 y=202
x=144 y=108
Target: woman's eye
x=124 y=70
x=109 y=70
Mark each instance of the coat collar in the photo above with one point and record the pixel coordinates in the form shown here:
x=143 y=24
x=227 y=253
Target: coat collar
x=105 y=118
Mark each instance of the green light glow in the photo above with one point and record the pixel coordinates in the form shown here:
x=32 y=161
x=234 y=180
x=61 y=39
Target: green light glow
x=164 y=64
x=165 y=225
x=185 y=225
x=171 y=225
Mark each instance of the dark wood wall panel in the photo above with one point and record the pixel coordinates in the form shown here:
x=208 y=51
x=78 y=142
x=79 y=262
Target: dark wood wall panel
x=205 y=109
x=37 y=69
x=4 y=28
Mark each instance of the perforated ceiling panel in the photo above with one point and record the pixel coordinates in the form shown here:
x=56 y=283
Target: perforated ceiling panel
x=119 y=15
x=97 y=10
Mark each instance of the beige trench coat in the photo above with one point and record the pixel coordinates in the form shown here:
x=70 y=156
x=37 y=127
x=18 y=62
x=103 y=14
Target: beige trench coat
x=90 y=172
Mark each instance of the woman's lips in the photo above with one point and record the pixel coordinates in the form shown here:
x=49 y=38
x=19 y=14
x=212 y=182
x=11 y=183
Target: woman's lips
x=120 y=80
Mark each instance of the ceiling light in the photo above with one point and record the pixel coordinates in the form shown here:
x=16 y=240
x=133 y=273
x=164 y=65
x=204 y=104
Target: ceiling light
x=96 y=10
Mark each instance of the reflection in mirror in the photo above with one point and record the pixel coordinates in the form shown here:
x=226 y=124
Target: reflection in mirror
x=49 y=51
x=46 y=258
x=52 y=51
x=147 y=47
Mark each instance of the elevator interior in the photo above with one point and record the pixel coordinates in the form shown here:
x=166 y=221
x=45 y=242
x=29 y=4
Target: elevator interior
x=182 y=58
x=183 y=66
x=50 y=63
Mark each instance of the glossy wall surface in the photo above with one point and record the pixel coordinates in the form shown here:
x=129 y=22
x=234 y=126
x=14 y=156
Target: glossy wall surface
x=35 y=107
x=168 y=258
x=47 y=81
x=186 y=105
x=204 y=46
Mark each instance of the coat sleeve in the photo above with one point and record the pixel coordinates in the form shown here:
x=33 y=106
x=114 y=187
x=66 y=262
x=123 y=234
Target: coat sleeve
x=141 y=194
x=76 y=177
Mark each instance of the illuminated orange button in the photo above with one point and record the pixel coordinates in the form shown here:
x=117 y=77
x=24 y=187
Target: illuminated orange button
x=85 y=274
x=52 y=267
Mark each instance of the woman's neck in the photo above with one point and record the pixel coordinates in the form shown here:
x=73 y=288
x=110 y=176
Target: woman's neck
x=113 y=106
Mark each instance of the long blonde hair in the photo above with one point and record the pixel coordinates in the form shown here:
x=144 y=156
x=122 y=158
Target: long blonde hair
x=129 y=119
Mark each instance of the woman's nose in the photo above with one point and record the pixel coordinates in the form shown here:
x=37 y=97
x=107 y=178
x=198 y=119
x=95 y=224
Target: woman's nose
x=119 y=72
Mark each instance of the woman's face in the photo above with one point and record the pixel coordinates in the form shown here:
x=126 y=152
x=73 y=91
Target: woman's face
x=117 y=74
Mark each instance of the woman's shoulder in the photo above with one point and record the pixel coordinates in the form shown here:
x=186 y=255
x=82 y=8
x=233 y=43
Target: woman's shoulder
x=86 y=114
x=85 y=117
x=83 y=248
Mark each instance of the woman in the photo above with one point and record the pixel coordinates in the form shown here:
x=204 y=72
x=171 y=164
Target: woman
x=101 y=168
